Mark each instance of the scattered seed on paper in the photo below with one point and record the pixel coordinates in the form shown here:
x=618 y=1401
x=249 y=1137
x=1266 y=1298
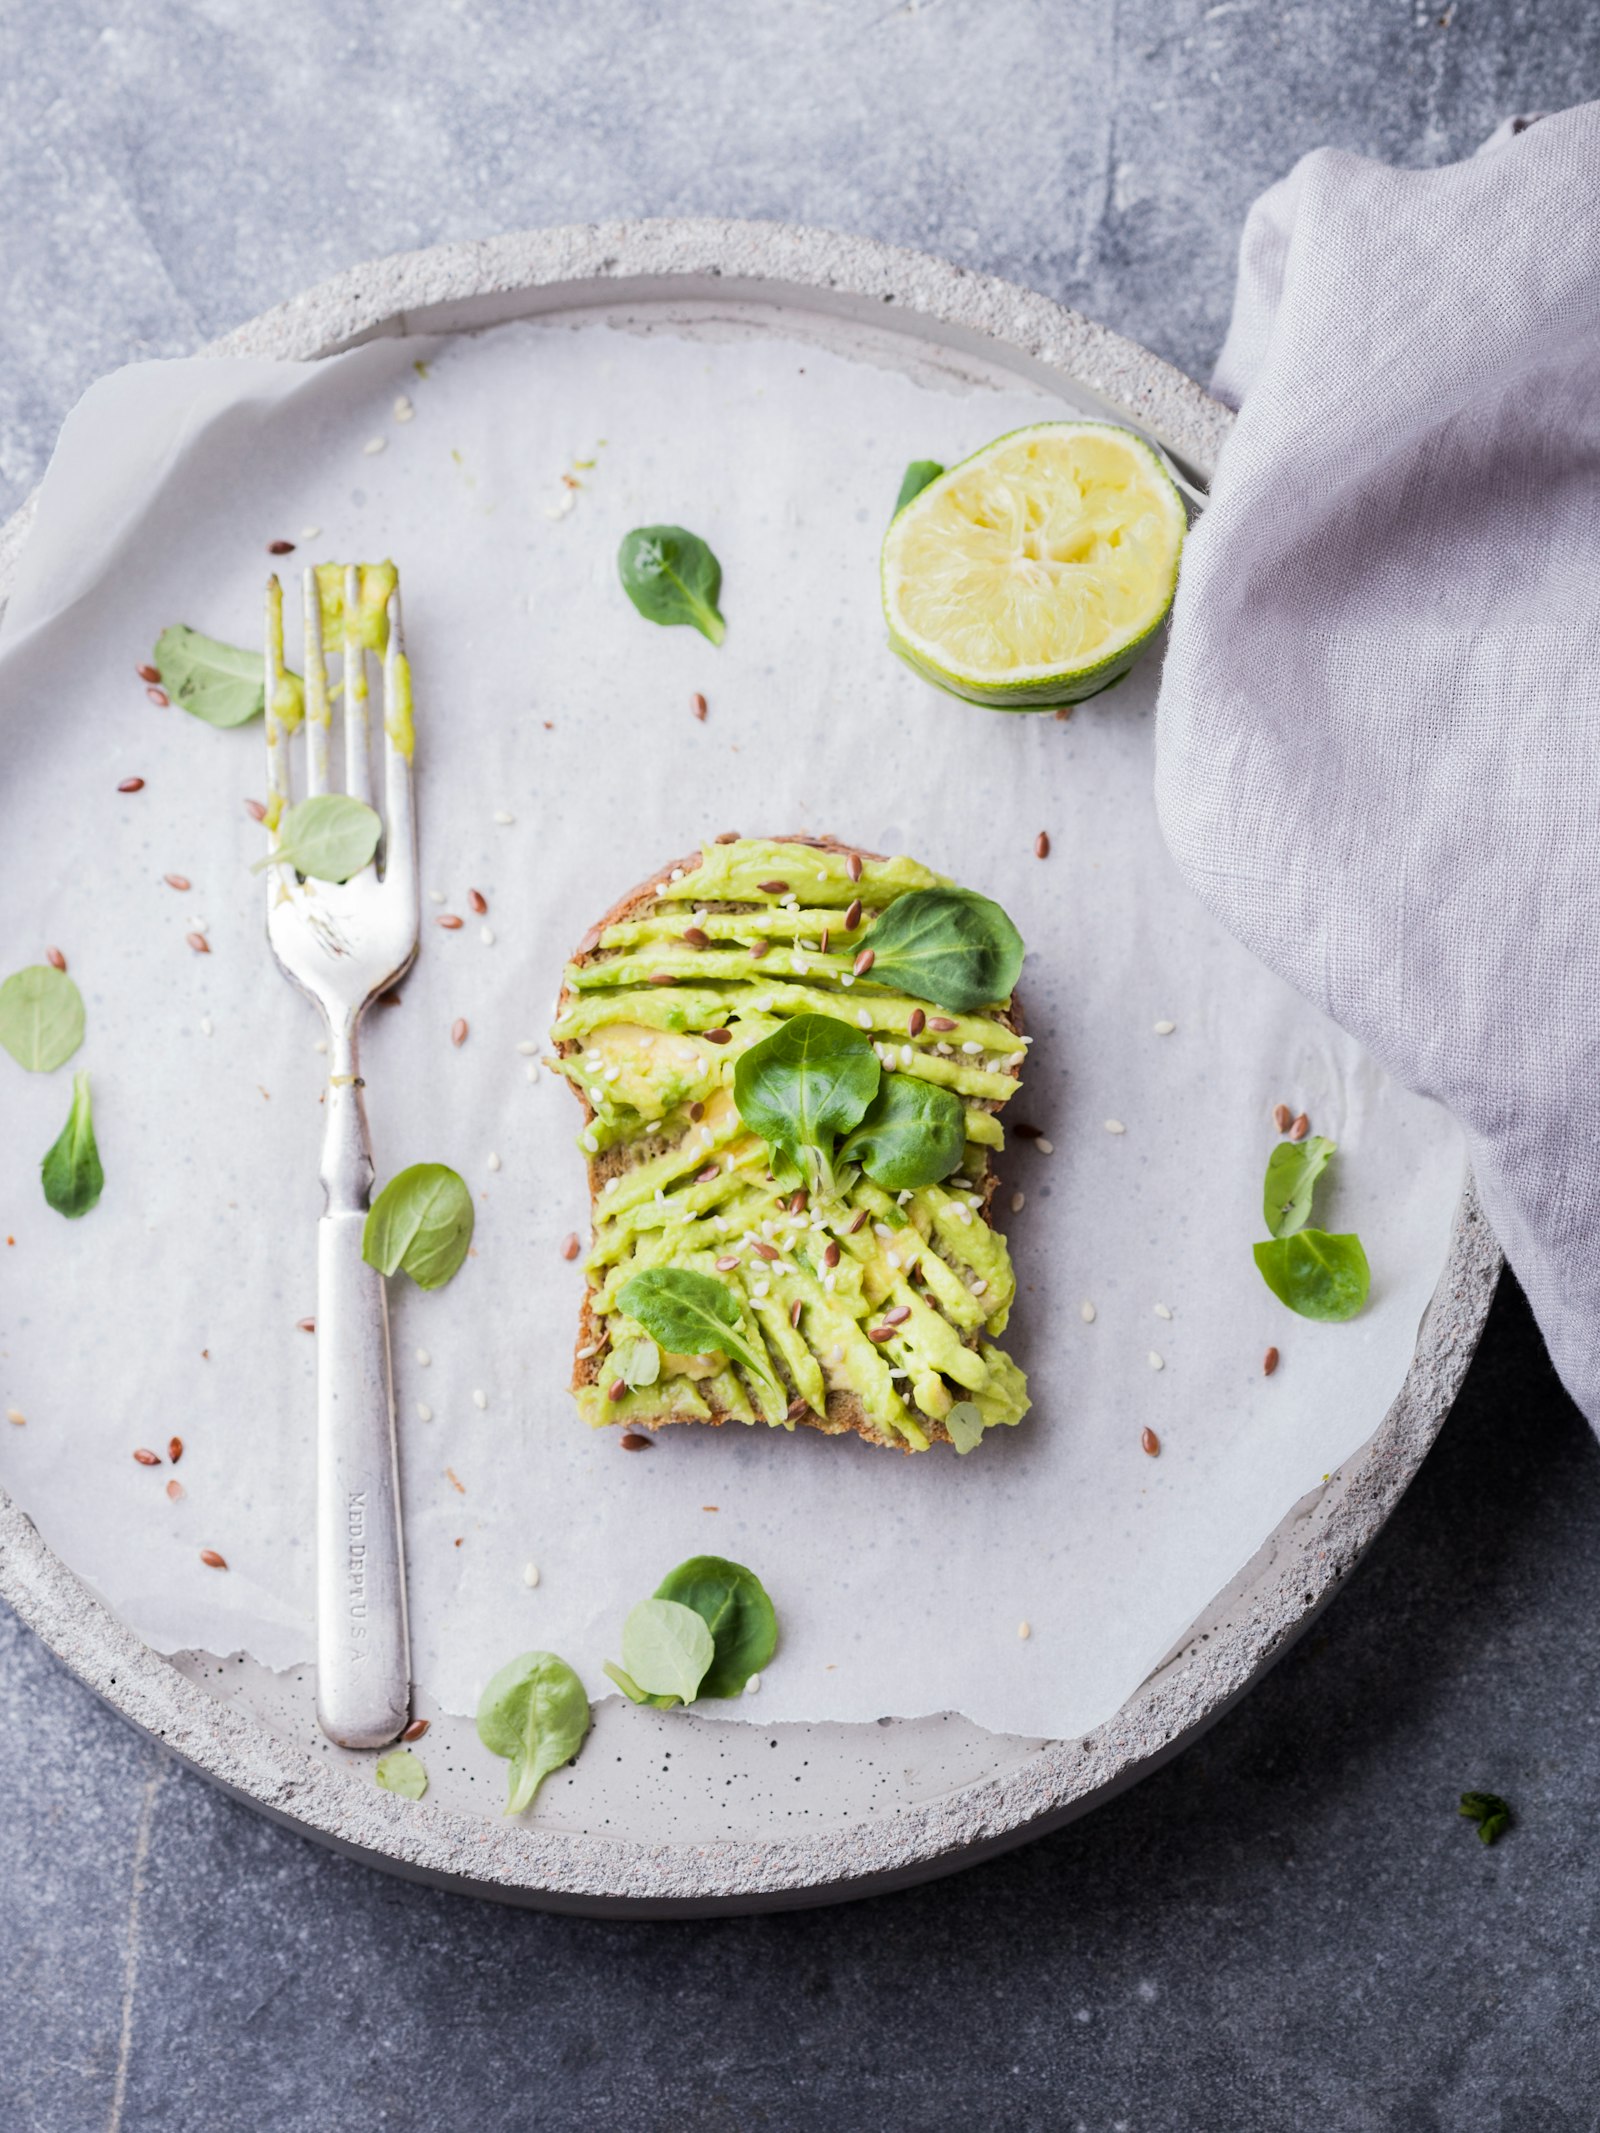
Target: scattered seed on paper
x=1045 y=1147
x=480 y=1399
x=424 y=1412
x=503 y=818
x=1165 y=1029
x=1115 y=1125
x=436 y=896
x=494 y=1164
x=1086 y=1312
x=1024 y=1631
x=528 y=1048
x=309 y=533
x=1018 y=1201
x=753 y=1686
x=403 y=410
x=207 y=1026
x=530 y=1573
x=1155 y=1361
x=321 y=1045
x=374 y=445
x=533 y=1070
x=1161 y=1310
x=487 y=936
x=424 y=1358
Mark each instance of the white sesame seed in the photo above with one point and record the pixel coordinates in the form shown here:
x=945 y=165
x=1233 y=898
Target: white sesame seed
x=1115 y=1125
x=591 y=1141
x=207 y=1026
x=309 y=533
x=834 y=1356
x=494 y=1161
x=505 y=820
x=1155 y=1361
x=882 y=1229
x=676 y=874
x=1161 y=1310
x=436 y=896
x=1045 y=1147
x=847 y=978
x=971 y=1049
x=528 y=1048
x=374 y=445
x=753 y=1686
x=892 y=1259
x=801 y=970
x=1086 y=1312
x=1165 y=1029
x=487 y=936
x=585 y=1353
x=1024 y=1631
x=199 y=924
x=530 y=1573
x=321 y=1045
x=864 y=1017
x=424 y=1358
x=424 y=1412
x=480 y=1399
x=903 y=1198
x=15 y=1414
x=533 y=1070
x=907 y=1055
x=403 y=410
x=1018 y=1201
x=761 y=1290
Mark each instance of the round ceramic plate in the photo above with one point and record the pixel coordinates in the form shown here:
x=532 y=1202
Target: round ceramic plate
x=760 y=1816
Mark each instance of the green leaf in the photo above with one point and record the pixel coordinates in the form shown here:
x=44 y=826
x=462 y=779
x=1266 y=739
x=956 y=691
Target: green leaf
x=41 y=1017
x=1293 y=1169
x=666 y=1649
x=916 y=478
x=637 y=1363
x=914 y=1134
x=535 y=1713
x=1315 y=1274
x=73 y=1178
x=951 y=947
x=671 y=576
x=810 y=1081
x=329 y=836
x=631 y=1689
x=421 y=1223
x=733 y=1604
x=690 y=1314
x=1489 y=1811
x=218 y=682
x=400 y=1771
x=965 y=1424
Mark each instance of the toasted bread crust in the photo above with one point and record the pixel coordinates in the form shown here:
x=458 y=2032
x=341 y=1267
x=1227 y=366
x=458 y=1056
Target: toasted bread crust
x=845 y=1413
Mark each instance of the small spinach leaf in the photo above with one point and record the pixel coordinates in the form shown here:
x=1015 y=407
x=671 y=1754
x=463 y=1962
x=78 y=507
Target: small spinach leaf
x=917 y=477
x=220 y=683
x=535 y=1713
x=41 y=1017
x=811 y=1080
x=401 y=1771
x=733 y=1604
x=666 y=1649
x=329 y=836
x=1293 y=1169
x=671 y=576
x=965 y=1424
x=1315 y=1274
x=631 y=1689
x=73 y=1178
x=948 y=946
x=421 y=1223
x=1489 y=1811
x=914 y=1134
x=690 y=1314
x=637 y=1363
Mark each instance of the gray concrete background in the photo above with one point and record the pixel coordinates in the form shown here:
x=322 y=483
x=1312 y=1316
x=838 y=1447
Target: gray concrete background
x=1290 y=1926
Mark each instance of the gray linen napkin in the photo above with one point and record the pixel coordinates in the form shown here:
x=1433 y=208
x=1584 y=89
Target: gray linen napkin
x=1378 y=740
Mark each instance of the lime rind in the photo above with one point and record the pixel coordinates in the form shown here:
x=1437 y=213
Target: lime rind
x=1051 y=684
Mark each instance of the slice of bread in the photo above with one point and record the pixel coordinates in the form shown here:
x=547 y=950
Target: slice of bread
x=619 y=1139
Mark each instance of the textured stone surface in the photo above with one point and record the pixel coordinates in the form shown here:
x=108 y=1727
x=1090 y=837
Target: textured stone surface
x=1289 y=1925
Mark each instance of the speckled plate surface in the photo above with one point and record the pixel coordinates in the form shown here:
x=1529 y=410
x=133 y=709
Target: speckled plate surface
x=757 y=1817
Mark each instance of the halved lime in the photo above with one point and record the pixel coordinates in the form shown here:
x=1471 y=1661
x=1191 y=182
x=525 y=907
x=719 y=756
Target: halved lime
x=1035 y=572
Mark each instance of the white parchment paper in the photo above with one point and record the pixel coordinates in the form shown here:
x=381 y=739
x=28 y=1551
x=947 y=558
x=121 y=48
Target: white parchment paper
x=172 y=1308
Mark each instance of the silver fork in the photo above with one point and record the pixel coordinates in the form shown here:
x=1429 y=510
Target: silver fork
x=344 y=943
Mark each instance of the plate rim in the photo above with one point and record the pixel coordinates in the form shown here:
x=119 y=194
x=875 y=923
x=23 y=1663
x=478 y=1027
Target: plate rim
x=454 y=287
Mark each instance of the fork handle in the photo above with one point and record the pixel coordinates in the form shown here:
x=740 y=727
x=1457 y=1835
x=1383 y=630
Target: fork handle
x=363 y=1657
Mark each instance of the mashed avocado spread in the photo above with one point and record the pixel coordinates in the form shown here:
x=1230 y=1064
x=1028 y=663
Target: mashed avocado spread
x=878 y=1310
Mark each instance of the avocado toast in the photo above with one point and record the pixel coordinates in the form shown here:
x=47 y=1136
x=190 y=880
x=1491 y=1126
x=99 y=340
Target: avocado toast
x=854 y=1307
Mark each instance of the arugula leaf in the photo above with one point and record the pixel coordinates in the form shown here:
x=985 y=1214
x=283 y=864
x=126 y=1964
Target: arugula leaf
x=1293 y=1169
x=811 y=1080
x=965 y=1424
x=422 y=1223
x=1489 y=1811
x=329 y=836
x=220 y=683
x=401 y=1771
x=914 y=1134
x=948 y=946
x=41 y=1017
x=733 y=1604
x=73 y=1178
x=917 y=477
x=534 y=1712
x=637 y=1363
x=671 y=576
x=666 y=1649
x=690 y=1314
x=1315 y=1274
